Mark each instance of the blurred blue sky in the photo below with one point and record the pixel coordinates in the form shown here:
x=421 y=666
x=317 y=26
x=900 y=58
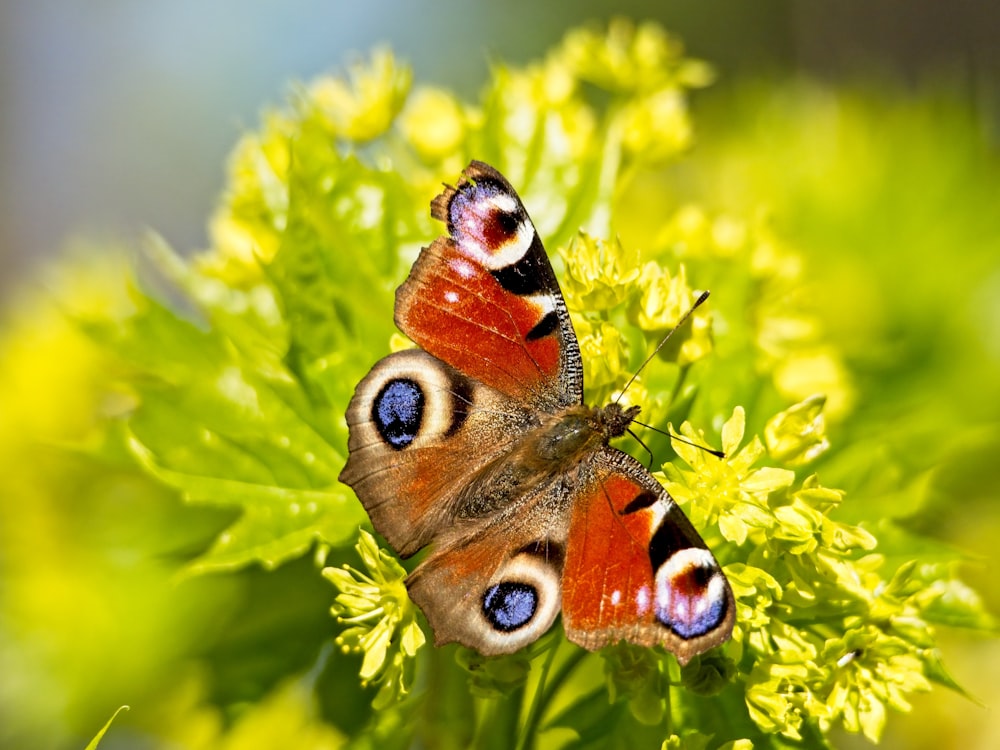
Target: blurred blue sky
x=116 y=116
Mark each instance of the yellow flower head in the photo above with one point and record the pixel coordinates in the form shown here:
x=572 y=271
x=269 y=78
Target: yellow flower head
x=605 y=355
x=797 y=435
x=363 y=107
x=662 y=303
x=727 y=489
x=434 y=122
x=657 y=126
x=381 y=619
x=632 y=58
x=599 y=274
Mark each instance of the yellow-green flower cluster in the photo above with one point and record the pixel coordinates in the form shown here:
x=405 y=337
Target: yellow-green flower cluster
x=327 y=208
x=650 y=65
x=607 y=288
x=380 y=618
x=830 y=639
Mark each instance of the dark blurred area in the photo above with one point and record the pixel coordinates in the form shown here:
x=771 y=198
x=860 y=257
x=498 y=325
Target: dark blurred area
x=117 y=116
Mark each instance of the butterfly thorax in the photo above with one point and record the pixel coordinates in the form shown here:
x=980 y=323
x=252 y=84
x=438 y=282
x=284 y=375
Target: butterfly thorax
x=572 y=434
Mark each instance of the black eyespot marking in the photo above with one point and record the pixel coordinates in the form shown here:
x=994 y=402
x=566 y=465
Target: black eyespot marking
x=397 y=412
x=544 y=327
x=510 y=605
x=508 y=222
x=529 y=275
x=640 y=501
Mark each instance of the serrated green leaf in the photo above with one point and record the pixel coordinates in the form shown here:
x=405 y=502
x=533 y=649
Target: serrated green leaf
x=277 y=523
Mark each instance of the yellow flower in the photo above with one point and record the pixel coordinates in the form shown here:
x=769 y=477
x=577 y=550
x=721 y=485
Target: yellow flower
x=434 y=123
x=729 y=490
x=632 y=58
x=599 y=274
x=874 y=672
x=381 y=618
x=364 y=107
x=797 y=435
x=657 y=126
x=605 y=355
x=537 y=110
x=247 y=228
x=663 y=301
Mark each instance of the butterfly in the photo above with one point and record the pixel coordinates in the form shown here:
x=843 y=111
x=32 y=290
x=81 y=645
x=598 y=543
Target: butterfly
x=478 y=444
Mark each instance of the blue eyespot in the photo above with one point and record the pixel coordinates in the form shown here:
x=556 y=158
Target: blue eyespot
x=509 y=605
x=687 y=603
x=397 y=412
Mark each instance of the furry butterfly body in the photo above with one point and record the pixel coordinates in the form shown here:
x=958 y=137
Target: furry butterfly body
x=479 y=444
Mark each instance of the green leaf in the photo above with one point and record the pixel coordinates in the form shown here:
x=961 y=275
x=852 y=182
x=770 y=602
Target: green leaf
x=597 y=723
x=92 y=745
x=277 y=523
x=223 y=421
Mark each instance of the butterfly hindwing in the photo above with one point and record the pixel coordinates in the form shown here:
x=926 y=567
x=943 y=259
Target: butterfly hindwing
x=493 y=584
x=636 y=569
x=419 y=431
x=485 y=299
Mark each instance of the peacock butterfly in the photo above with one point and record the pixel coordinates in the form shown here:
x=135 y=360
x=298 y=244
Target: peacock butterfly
x=479 y=443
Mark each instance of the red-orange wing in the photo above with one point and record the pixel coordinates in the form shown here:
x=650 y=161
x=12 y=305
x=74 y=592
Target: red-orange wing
x=485 y=299
x=636 y=569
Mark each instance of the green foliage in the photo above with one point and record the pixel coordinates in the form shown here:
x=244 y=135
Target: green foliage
x=234 y=398
x=92 y=745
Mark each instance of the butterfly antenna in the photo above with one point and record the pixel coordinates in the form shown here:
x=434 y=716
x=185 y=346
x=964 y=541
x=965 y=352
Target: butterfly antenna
x=664 y=340
x=674 y=436
x=644 y=446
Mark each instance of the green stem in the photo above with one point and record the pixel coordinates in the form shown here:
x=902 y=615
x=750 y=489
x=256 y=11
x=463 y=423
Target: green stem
x=496 y=720
x=668 y=708
x=563 y=673
x=530 y=727
x=679 y=384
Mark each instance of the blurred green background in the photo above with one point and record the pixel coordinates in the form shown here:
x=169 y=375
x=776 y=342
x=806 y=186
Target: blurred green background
x=868 y=131
x=118 y=115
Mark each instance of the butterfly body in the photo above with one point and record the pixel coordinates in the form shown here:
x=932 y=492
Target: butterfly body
x=479 y=444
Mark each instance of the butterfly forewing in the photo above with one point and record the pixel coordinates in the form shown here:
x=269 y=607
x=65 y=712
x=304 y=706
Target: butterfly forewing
x=486 y=301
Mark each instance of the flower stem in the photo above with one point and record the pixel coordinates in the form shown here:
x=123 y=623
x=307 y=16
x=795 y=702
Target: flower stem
x=538 y=701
